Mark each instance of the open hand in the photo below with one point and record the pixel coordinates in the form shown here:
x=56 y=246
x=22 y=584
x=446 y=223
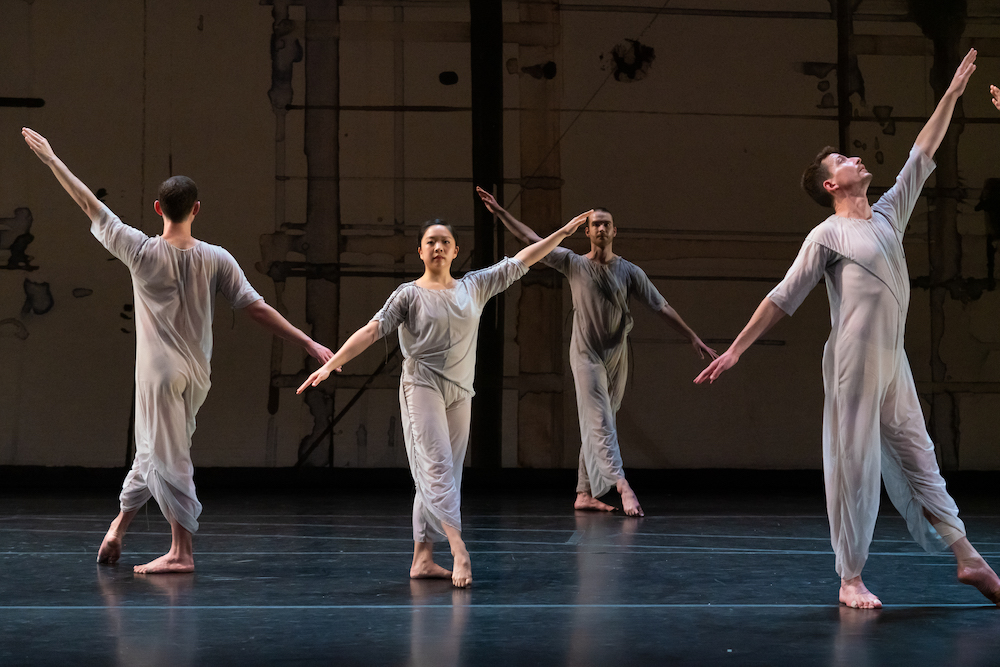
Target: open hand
x=962 y=74
x=320 y=353
x=716 y=368
x=701 y=349
x=488 y=199
x=995 y=92
x=39 y=144
x=313 y=380
x=575 y=223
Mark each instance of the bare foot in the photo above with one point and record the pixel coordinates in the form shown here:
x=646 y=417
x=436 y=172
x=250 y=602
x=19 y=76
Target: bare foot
x=856 y=595
x=585 y=501
x=111 y=548
x=462 y=577
x=629 y=502
x=976 y=572
x=167 y=564
x=428 y=569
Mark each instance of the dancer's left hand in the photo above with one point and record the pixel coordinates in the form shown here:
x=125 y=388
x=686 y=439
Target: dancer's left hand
x=320 y=353
x=962 y=74
x=575 y=223
x=701 y=349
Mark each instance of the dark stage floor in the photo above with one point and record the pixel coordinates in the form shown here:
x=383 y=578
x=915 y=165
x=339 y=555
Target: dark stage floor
x=734 y=579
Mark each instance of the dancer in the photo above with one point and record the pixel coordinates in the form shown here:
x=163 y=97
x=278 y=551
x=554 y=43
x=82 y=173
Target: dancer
x=871 y=402
x=601 y=283
x=438 y=321
x=175 y=277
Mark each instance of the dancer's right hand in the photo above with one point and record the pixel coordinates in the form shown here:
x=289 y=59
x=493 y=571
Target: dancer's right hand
x=725 y=361
x=317 y=376
x=39 y=144
x=488 y=199
x=995 y=92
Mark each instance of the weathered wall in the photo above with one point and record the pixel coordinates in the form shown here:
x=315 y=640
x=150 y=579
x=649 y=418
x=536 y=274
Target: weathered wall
x=697 y=154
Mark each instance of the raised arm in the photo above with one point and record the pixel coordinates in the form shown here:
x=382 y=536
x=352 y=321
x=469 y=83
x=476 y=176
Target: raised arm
x=273 y=321
x=523 y=232
x=359 y=341
x=80 y=193
x=539 y=249
x=937 y=125
x=675 y=322
x=766 y=316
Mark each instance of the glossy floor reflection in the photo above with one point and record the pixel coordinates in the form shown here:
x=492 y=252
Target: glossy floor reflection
x=289 y=579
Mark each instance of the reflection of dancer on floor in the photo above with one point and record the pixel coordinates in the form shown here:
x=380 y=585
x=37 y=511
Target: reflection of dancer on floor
x=438 y=322
x=601 y=283
x=175 y=278
x=872 y=421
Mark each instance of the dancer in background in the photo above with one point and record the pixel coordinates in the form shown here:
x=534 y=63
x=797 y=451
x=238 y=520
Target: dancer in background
x=175 y=278
x=601 y=283
x=872 y=421
x=438 y=321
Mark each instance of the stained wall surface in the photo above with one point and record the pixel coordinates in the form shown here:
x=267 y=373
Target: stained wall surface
x=322 y=135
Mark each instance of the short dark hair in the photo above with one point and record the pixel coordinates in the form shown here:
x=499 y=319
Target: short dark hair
x=177 y=196
x=601 y=209
x=814 y=176
x=427 y=224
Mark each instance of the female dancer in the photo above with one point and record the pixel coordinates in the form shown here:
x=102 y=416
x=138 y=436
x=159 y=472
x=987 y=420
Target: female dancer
x=438 y=321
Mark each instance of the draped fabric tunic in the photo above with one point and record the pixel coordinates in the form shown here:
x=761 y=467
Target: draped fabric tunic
x=872 y=420
x=438 y=333
x=599 y=355
x=174 y=293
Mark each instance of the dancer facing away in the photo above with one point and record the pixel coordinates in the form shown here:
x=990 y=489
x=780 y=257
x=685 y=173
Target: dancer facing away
x=601 y=283
x=438 y=321
x=175 y=277
x=872 y=420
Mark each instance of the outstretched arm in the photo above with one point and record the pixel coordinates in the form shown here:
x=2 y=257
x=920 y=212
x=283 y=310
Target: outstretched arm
x=523 y=232
x=272 y=320
x=765 y=317
x=675 y=321
x=359 y=341
x=539 y=249
x=80 y=193
x=937 y=125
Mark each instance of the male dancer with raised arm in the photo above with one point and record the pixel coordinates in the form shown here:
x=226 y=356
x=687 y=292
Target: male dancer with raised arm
x=601 y=283
x=872 y=421
x=175 y=277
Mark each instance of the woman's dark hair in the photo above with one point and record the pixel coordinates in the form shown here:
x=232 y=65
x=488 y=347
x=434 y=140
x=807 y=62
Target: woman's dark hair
x=430 y=223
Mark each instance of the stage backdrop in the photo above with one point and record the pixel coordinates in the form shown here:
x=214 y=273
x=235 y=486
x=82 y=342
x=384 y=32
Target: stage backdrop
x=321 y=136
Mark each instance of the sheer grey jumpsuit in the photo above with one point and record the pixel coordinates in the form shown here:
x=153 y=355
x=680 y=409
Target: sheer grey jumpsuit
x=174 y=303
x=598 y=353
x=438 y=332
x=872 y=420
